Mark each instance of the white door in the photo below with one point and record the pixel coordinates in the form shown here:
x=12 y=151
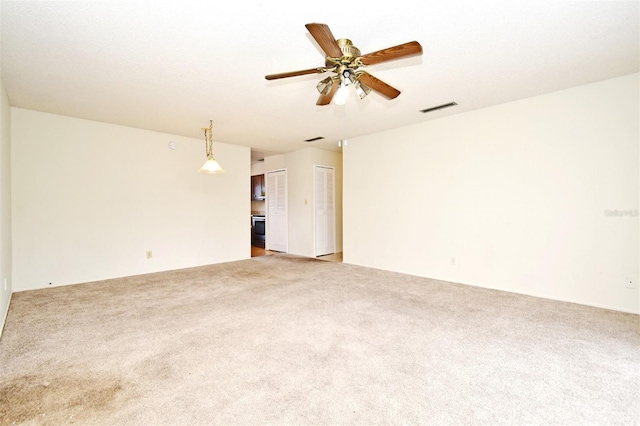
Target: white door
x=277 y=211
x=325 y=217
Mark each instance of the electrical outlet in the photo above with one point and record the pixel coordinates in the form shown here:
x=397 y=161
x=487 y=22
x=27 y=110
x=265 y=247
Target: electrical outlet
x=631 y=281
x=149 y=254
x=453 y=261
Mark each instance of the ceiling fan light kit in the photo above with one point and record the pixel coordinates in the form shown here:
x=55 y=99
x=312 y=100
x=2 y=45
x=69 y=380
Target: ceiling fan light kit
x=345 y=60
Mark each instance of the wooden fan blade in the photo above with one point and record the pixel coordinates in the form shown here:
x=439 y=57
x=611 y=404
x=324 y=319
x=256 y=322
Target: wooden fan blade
x=325 y=98
x=295 y=73
x=322 y=34
x=378 y=85
x=412 y=48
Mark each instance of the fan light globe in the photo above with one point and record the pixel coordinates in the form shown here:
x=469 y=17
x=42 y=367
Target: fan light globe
x=362 y=90
x=341 y=95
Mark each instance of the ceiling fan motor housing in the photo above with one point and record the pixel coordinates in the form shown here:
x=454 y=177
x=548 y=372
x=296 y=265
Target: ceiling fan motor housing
x=349 y=54
x=348 y=49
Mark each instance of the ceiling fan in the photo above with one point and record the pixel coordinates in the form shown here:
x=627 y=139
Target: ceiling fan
x=345 y=60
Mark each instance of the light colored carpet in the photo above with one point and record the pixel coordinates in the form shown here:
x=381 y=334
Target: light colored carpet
x=288 y=340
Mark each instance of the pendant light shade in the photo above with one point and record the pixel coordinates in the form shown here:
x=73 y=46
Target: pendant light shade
x=211 y=165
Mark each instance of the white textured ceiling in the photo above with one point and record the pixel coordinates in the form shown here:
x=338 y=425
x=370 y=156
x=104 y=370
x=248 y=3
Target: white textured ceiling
x=171 y=66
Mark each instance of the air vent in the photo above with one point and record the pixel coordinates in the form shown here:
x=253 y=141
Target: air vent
x=314 y=139
x=435 y=108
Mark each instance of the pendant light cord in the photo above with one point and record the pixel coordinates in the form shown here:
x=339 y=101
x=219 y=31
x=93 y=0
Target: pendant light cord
x=208 y=139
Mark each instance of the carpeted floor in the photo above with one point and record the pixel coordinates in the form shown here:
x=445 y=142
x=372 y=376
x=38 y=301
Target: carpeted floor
x=285 y=340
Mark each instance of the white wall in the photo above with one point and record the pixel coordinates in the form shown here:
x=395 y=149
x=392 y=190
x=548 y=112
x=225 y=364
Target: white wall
x=299 y=165
x=5 y=206
x=89 y=199
x=274 y=162
x=257 y=168
x=300 y=202
x=516 y=195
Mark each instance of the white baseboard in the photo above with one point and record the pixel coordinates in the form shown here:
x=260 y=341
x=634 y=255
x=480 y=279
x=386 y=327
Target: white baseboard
x=538 y=295
x=558 y=299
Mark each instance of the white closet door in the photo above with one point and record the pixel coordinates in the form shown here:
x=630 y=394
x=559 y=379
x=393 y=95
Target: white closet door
x=325 y=219
x=276 y=218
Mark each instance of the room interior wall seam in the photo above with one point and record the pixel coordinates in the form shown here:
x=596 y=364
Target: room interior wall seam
x=6 y=234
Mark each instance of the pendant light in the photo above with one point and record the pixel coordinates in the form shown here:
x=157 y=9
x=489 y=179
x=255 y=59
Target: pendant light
x=211 y=165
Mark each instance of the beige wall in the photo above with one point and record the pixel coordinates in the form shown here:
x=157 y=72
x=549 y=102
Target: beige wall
x=5 y=206
x=299 y=165
x=89 y=199
x=513 y=197
x=257 y=169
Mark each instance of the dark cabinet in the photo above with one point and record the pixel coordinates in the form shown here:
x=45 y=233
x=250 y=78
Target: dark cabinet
x=257 y=187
